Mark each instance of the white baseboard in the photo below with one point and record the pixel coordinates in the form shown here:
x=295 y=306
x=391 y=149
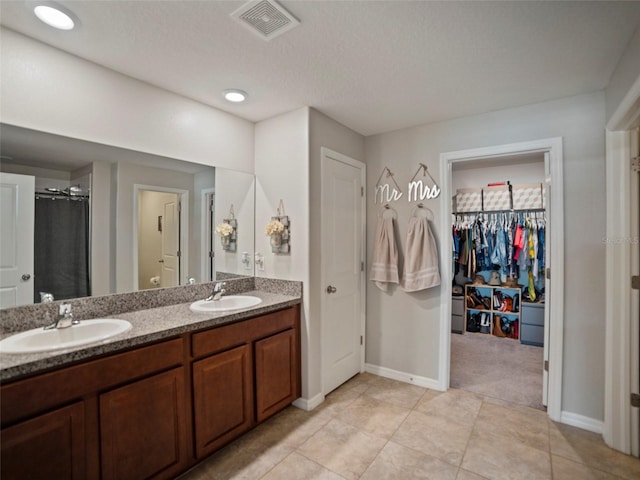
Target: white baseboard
x=580 y=421
x=402 y=376
x=309 y=404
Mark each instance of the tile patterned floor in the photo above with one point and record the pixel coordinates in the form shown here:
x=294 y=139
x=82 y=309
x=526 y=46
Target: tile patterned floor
x=373 y=428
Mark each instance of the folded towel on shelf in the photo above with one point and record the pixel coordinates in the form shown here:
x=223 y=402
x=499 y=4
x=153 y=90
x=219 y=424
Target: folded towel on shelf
x=421 y=257
x=384 y=266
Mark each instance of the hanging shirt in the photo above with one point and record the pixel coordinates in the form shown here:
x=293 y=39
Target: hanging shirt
x=533 y=252
x=510 y=232
x=541 y=247
x=464 y=250
x=518 y=242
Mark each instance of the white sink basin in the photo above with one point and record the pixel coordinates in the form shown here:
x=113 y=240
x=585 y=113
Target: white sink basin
x=231 y=302
x=87 y=331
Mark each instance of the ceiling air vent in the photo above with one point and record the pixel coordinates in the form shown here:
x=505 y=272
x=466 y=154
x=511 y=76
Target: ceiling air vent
x=265 y=18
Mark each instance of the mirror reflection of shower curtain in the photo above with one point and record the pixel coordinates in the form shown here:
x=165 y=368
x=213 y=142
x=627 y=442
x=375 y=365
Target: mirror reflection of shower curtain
x=61 y=257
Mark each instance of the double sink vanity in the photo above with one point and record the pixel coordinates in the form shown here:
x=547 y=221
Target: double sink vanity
x=152 y=400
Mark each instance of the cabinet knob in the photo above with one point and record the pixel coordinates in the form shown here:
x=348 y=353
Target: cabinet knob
x=331 y=289
x=26 y=277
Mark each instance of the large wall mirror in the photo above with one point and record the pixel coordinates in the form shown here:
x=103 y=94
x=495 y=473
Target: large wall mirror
x=79 y=218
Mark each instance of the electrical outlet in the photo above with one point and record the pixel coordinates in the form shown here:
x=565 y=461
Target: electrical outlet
x=259 y=261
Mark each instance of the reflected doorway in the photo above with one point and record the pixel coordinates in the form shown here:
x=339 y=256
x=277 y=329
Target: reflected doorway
x=159 y=235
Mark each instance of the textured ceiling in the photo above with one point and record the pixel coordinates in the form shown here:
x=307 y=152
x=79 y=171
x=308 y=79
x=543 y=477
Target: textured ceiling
x=374 y=66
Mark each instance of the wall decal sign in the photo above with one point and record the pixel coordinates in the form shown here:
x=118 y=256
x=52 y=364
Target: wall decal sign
x=418 y=191
x=383 y=192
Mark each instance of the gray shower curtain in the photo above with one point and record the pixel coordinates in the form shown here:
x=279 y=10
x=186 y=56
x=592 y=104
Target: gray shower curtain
x=61 y=260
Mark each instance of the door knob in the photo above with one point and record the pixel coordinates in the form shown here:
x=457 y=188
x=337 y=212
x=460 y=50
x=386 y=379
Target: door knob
x=160 y=261
x=331 y=289
x=26 y=277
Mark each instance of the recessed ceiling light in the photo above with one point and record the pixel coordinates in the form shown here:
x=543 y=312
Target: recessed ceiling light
x=54 y=17
x=234 y=95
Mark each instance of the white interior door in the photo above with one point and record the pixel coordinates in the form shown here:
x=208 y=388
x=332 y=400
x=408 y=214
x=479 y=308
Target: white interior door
x=17 y=208
x=170 y=272
x=343 y=265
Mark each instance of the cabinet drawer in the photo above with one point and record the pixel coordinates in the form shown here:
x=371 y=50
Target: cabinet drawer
x=223 y=338
x=457 y=305
x=457 y=323
x=532 y=334
x=533 y=314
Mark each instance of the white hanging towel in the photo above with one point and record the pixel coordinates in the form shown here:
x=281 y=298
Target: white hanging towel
x=384 y=266
x=421 y=257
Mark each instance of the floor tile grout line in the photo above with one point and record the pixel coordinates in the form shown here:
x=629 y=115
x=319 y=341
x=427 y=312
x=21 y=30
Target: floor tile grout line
x=550 y=449
x=486 y=401
x=466 y=447
x=319 y=464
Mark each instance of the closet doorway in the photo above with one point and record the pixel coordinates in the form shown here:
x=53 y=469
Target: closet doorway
x=501 y=306
x=498 y=291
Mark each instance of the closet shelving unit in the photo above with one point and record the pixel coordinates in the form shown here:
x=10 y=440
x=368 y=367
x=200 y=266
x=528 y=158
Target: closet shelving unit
x=495 y=310
x=524 y=322
x=499 y=318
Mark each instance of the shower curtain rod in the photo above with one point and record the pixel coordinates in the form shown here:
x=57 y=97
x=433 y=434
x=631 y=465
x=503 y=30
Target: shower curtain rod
x=61 y=195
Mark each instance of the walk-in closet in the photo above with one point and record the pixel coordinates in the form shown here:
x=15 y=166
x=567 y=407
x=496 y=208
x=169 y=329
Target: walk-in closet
x=499 y=229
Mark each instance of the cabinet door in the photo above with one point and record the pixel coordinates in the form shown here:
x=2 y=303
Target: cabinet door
x=143 y=429
x=222 y=398
x=50 y=446
x=276 y=377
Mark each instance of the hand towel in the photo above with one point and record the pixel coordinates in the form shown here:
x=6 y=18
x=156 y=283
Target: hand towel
x=384 y=266
x=421 y=257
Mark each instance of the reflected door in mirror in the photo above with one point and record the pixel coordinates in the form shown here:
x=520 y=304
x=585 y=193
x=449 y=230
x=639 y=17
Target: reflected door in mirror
x=16 y=237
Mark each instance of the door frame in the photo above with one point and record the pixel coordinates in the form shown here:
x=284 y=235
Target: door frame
x=326 y=154
x=620 y=429
x=206 y=234
x=555 y=205
x=183 y=196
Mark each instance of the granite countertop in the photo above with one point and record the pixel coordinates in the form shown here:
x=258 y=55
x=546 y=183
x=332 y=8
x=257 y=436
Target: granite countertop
x=147 y=326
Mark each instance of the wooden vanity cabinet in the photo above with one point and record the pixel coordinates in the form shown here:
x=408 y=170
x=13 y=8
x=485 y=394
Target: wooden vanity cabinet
x=49 y=446
x=276 y=372
x=222 y=398
x=250 y=371
x=154 y=411
x=82 y=421
x=143 y=428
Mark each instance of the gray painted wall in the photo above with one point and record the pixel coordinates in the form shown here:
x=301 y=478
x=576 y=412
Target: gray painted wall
x=323 y=132
x=403 y=329
x=626 y=73
x=46 y=89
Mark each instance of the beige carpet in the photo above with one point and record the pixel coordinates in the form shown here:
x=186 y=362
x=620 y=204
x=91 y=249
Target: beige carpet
x=497 y=367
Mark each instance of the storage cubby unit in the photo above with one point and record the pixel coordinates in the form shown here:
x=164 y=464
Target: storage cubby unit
x=532 y=325
x=493 y=310
x=457 y=314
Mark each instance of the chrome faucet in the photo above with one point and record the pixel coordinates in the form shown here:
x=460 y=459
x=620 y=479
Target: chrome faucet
x=217 y=292
x=65 y=318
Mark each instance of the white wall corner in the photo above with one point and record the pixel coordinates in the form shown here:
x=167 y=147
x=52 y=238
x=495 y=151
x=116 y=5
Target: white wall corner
x=403 y=377
x=617 y=412
x=308 y=404
x=580 y=421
